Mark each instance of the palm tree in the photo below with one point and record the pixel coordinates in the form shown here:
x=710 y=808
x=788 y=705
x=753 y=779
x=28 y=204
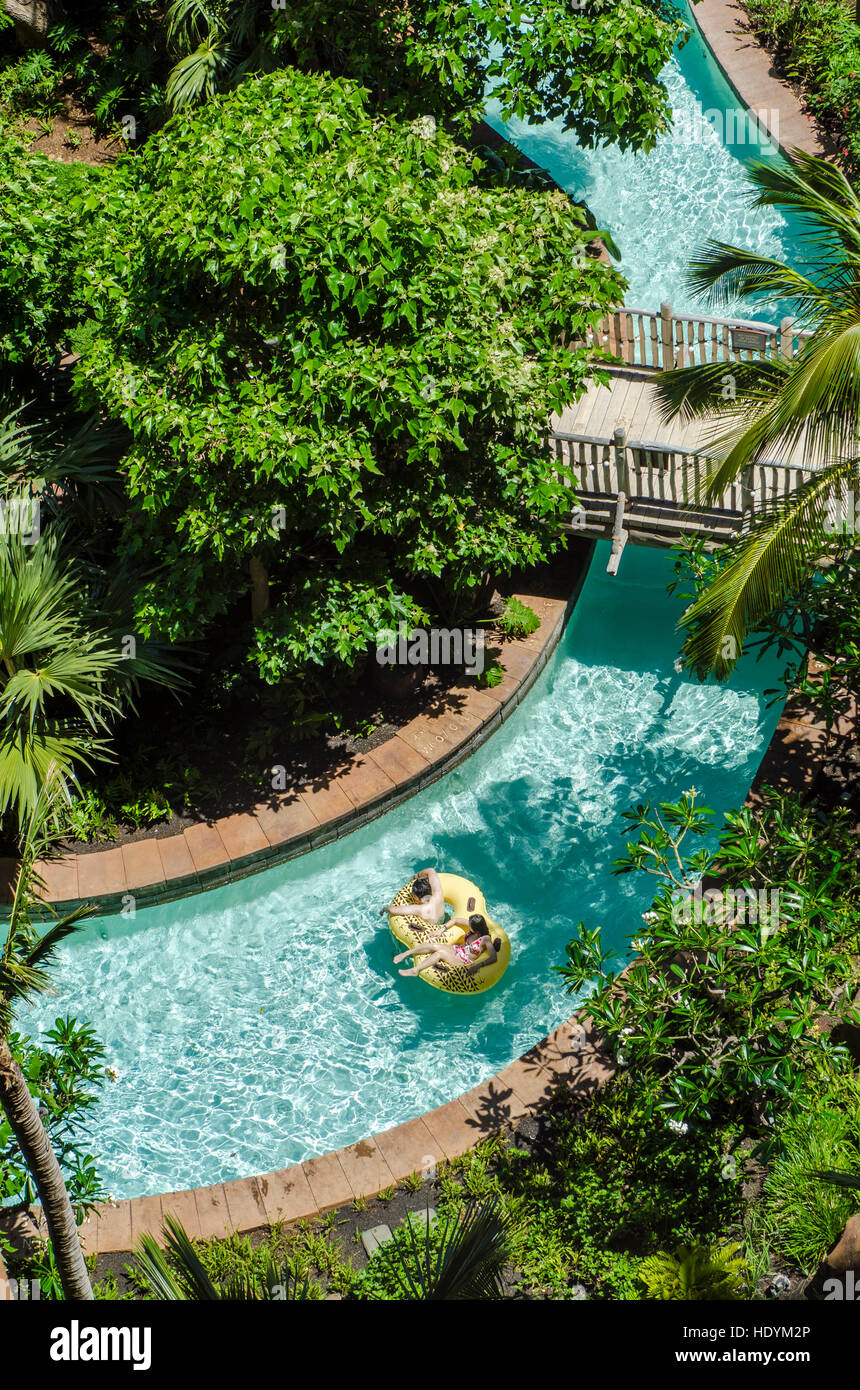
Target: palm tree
x=812 y=401
x=218 y=44
x=54 y=673
x=22 y=975
x=465 y=1259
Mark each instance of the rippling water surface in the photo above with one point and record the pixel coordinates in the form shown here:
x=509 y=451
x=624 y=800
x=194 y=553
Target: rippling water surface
x=661 y=207
x=261 y=1023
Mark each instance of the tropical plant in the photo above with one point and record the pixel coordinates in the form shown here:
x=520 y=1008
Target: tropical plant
x=808 y=1190
x=67 y=460
x=518 y=620
x=811 y=401
x=63 y=1068
x=177 y=1274
x=598 y=71
x=25 y=955
x=54 y=695
x=695 y=1273
x=818 y=46
x=301 y=430
x=717 y=1017
x=460 y=1257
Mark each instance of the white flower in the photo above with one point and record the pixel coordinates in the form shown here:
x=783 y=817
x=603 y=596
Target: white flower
x=678 y=1126
x=650 y=916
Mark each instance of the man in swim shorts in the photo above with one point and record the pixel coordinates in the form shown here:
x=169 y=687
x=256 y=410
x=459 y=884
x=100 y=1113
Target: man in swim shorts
x=429 y=902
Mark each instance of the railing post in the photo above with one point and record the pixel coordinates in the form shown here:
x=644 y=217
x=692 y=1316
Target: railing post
x=666 y=336
x=748 y=499
x=620 y=442
x=786 y=339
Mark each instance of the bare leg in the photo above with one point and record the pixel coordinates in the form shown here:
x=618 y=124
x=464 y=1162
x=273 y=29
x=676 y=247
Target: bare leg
x=413 y=950
x=440 y=955
x=433 y=958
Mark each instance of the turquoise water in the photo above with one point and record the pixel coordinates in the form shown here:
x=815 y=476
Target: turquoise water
x=661 y=207
x=261 y=1023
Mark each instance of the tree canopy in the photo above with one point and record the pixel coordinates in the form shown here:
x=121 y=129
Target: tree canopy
x=596 y=66
x=336 y=349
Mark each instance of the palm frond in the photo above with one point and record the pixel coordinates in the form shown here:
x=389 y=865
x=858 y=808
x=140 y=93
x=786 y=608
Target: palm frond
x=196 y=77
x=700 y=390
x=468 y=1262
x=850 y=1180
x=770 y=562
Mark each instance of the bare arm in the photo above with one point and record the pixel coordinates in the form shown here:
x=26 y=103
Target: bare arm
x=433 y=879
x=491 y=953
x=404 y=909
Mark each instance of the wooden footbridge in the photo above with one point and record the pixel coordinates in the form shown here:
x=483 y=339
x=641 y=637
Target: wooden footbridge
x=634 y=477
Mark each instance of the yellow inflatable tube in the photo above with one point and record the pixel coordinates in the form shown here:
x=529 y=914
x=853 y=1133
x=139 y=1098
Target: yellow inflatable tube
x=465 y=898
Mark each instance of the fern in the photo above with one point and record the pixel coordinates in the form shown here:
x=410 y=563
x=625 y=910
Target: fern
x=695 y=1273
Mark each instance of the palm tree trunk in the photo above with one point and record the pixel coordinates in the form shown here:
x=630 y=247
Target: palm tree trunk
x=32 y=19
x=23 y=1117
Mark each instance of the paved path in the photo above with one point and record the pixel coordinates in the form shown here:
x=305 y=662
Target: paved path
x=749 y=70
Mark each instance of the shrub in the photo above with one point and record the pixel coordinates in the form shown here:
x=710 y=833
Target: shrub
x=717 y=1018
x=64 y=1072
x=695 y=1273
x=818 y=43
x=518 y=620
x=809 y=1213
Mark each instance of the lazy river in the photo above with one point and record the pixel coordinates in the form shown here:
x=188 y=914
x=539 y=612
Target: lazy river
x=261 y=1023
x=255 y=1025
x=661 y=207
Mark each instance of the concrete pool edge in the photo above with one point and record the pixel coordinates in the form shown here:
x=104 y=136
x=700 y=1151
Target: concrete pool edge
x=567 y=1056
x=746 y=66
x=209 y=854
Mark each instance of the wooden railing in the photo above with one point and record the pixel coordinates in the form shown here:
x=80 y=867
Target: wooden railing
x=654 y=472
x=664 y=339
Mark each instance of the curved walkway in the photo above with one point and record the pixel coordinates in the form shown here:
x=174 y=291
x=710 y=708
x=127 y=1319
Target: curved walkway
x=748 y=68
x=312 y=813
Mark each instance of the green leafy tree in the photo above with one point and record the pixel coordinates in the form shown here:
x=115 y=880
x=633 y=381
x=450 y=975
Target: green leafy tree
x=812 y=400
x=716 y=1018
x=336 y=352
x=596 y=67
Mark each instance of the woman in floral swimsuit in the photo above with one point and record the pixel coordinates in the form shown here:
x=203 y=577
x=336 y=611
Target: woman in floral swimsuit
x=465 y=953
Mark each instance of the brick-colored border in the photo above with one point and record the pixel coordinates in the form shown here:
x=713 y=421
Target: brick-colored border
x=315 y=812
x=748 y=69
x=568 y=1056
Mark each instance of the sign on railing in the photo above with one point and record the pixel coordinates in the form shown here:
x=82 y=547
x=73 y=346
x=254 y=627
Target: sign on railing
x=663 y=340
